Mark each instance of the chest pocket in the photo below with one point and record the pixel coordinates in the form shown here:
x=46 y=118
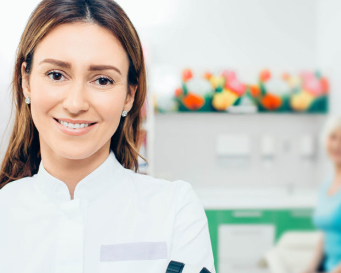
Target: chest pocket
x=148 y=257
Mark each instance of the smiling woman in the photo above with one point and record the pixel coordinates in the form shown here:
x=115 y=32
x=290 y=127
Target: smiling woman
x=69 y=197
x=60 y=61
x=78 y=90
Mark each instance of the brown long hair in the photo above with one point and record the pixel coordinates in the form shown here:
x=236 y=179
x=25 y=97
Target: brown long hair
x=22 y=157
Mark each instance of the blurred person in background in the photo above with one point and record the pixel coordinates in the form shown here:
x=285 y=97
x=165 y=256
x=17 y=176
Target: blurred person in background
x=327 y=214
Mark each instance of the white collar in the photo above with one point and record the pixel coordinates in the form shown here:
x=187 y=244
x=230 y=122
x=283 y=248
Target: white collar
x=89 y=187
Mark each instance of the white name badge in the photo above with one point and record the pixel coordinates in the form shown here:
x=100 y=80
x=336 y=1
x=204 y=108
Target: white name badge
x=133 y=251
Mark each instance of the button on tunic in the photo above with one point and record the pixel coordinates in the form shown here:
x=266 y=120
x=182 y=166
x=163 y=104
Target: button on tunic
x=118 y=221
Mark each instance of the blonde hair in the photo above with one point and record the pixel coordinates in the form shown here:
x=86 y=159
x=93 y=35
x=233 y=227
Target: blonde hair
x=332 y=124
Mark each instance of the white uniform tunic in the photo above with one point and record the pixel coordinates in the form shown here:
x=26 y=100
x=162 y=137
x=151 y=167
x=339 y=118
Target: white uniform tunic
x=118 y=222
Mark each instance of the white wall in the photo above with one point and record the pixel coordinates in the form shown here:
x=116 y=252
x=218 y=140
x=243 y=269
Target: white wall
x=248 y=33
x=245 y=36
x=12 y=24
x=185 y=146
x=329 y=46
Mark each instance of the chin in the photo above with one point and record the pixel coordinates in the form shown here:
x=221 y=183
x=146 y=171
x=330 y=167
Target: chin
x=75 y=154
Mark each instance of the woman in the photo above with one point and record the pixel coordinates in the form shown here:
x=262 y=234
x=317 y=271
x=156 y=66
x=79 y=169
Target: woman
x=70 y=200
x=327 y=215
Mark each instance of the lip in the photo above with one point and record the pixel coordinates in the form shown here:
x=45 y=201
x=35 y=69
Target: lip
x=74 y=121
x=74 y=132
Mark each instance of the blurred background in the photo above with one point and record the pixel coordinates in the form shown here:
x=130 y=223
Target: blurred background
x=239 y=92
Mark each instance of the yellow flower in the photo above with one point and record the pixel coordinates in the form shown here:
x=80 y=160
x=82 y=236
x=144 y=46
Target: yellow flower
x=223 y=100
x=301 y=101
x=217 y=81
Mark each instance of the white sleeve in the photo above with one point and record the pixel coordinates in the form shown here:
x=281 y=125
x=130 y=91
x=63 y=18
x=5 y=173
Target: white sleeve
x=191 y=243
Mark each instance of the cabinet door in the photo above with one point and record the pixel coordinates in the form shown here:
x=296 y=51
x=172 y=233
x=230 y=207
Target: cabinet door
x=241 y=247
x=216 y=218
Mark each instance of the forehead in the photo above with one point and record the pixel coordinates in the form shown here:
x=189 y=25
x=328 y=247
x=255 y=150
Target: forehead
x=82 y=44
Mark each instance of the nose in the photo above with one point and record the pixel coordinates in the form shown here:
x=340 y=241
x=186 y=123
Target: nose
x=75 y=100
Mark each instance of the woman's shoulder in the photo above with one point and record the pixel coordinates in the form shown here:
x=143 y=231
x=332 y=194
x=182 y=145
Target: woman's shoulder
x=154 y=182
x=149 y=184
x=12 y=189
x=177 y=193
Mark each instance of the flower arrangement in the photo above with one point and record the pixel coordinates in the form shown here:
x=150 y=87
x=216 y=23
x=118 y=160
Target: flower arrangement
x=306 y=92
x=188 y=100
x=310 y=93
x=227 y=90
x=265 y=98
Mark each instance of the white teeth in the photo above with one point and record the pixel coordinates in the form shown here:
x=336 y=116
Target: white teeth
x=72 y=125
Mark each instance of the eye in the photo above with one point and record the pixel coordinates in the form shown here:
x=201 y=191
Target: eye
x=103 y=81
x=55 y=75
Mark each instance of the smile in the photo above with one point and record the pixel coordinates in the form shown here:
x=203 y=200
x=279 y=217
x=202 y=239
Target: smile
x=76 y=128
x=74 y=125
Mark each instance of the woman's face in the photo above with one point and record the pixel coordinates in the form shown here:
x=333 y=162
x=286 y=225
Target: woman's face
x=333 y=146
x=78 y=89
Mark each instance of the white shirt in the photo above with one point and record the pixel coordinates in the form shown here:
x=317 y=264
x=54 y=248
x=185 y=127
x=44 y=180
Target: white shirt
x=119 y=221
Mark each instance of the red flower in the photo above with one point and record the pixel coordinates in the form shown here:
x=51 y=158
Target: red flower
x=325 y=85
x=178 y=92
x=187 y=75
x=264 y=75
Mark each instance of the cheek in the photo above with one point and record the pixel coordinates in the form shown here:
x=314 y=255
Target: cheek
x=42 y=101
x=333 y=149
x=110 y=106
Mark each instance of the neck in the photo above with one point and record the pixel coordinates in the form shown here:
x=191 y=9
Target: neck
x=71 y=171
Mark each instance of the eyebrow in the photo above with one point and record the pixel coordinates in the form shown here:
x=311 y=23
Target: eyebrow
x=91 y=67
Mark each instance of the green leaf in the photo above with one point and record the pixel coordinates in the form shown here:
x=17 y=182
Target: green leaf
x=184 y=88
x=262 y=88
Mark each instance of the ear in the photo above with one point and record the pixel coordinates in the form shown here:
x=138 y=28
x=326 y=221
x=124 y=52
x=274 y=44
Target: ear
x=24 y=81
x=130 y=98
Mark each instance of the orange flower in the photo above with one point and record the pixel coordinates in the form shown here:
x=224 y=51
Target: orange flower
x=207 y=75
x=265 y=75
x=255 y=91
x=187 y=75
x=193 y=101
x=178 y=92
x=271 y=102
